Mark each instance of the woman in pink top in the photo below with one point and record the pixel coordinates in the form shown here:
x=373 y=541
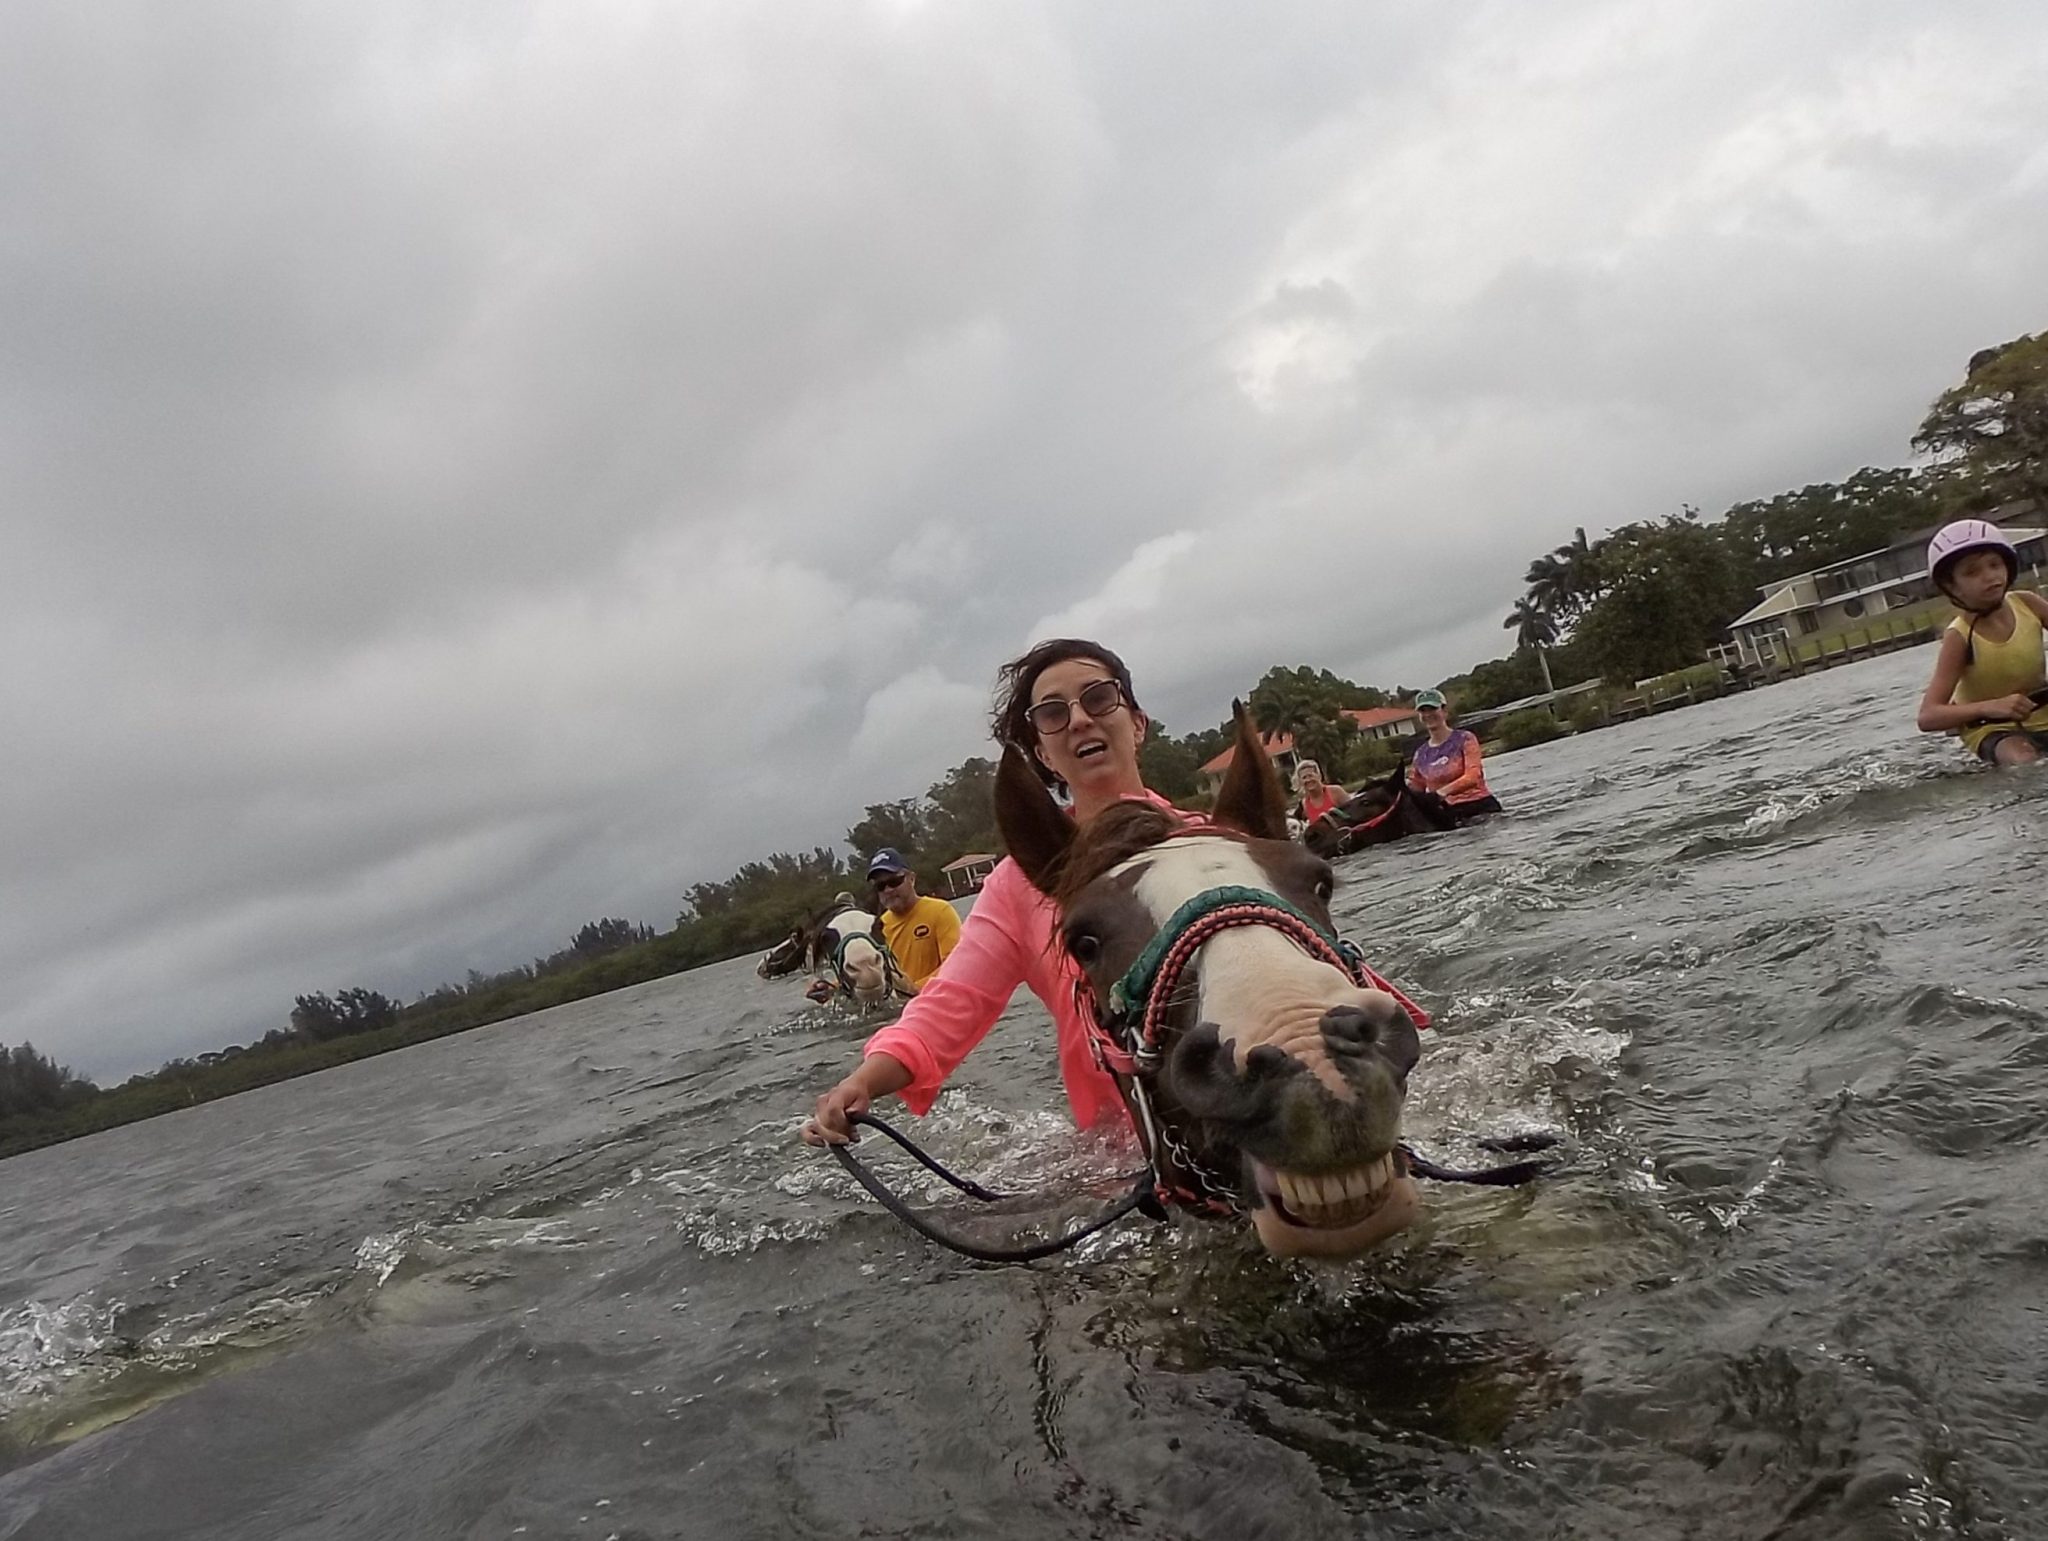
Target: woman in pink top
x=1070 y=704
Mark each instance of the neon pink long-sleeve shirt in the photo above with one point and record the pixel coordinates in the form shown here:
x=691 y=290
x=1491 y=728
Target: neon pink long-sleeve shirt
x=1010 y=938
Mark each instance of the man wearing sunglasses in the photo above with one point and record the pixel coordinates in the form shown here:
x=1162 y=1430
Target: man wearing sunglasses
x=920 y=930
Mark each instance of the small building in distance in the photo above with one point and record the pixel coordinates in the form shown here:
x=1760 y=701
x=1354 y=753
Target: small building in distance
x=966 y=874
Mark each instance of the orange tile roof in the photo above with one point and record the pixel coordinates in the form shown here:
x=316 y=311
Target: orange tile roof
x=1365 y=718
x=1276 y=743
x=1380 y=716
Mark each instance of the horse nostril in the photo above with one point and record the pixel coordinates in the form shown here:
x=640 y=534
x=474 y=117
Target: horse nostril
x=1350 y=1025
x=1379 y=1025
x=1202 y=1080
x=1265 y=1060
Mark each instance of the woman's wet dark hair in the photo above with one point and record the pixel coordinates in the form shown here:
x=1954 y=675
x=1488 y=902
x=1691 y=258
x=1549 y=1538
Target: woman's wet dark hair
x=1010 y=721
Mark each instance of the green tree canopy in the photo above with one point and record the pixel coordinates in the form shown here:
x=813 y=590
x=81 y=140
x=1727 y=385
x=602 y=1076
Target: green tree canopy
x=356 y=1010
x=960 y=813
x=607 y=935
x=899 y=824
x=1286 y=699
x=32 y=1083
x=1991 y=431
x=1795 y=532
x=1674 y=587
x=1171 y=766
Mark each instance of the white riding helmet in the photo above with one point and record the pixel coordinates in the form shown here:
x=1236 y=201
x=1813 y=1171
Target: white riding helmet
x=1954 y=541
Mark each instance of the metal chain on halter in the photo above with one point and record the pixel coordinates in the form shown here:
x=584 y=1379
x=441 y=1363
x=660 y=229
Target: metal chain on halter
x=1213 y=1189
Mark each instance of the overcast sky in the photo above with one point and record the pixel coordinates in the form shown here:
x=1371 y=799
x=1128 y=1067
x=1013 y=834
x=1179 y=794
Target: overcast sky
x=469 y=469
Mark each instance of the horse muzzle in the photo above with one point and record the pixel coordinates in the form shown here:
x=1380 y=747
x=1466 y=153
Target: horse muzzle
x=1334 y=1214
x=1311 y=1102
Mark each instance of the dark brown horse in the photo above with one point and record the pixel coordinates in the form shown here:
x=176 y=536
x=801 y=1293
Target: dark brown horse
x=1264 y=1068
x=1377 y=813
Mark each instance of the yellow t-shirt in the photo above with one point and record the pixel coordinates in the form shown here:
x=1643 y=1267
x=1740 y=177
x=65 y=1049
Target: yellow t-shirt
x=921 y=937
x=2008 y=668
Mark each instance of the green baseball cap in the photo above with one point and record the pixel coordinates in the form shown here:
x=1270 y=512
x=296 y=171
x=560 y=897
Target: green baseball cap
x=1428 y=698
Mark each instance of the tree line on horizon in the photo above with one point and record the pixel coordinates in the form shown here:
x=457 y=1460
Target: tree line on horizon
x=1645 y=598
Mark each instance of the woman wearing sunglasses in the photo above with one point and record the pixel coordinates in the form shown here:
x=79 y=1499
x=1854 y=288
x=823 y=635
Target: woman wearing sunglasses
x=1069 y=705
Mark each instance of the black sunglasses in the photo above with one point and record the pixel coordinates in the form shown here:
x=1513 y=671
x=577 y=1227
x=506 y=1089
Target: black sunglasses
x=883 y=885
x=1098 y=700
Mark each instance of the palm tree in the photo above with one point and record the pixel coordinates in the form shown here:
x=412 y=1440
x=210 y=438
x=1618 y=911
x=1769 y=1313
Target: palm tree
x=1584 y=579
x=1533 y=627
x=1550 y=586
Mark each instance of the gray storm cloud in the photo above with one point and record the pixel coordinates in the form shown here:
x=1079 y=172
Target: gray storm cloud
x=467 y=473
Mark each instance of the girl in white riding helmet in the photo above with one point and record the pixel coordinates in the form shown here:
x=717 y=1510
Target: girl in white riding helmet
x=1991 y=658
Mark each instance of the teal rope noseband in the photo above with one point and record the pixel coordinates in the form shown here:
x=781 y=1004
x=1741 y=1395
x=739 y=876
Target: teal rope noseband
x=1131 y=994
x=891 y=974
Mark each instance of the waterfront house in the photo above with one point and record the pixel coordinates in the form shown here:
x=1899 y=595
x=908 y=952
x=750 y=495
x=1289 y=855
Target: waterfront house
x=1852 y=592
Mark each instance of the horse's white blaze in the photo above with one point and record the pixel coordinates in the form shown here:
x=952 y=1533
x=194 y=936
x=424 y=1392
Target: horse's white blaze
x=861 y=958
x=850 y=923
x=1255 y=984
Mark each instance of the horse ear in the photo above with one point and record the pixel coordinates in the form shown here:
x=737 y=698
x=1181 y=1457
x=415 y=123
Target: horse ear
x=1034 y=830
x=1251 y=800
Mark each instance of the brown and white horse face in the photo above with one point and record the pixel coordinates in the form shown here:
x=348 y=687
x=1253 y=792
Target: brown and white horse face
x=785 y=957
x=867 y=975
x=847 y=936
x=1278 y=1071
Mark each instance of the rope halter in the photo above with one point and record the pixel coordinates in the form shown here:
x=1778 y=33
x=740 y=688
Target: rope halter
x=1127 y=1032
x=1129 y=1027
x=892 y=974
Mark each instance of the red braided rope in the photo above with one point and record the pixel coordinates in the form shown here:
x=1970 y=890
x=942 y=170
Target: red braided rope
x=1182 y=953
x=1375 y=821
x=1384 y=814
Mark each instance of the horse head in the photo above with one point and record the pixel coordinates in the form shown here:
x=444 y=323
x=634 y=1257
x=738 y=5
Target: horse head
x=842 y=951
x=1265 y=1072
x=867 y=974
x=785 y=957
x=1384 y=810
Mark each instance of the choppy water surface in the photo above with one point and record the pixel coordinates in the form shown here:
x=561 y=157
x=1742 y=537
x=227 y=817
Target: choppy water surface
x=1773 y=961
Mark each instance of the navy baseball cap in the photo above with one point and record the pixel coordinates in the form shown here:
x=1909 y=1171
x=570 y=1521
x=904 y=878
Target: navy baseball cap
x=887 y=859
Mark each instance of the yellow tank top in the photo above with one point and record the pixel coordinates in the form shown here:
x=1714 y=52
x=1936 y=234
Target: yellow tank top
x=2012 y=667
